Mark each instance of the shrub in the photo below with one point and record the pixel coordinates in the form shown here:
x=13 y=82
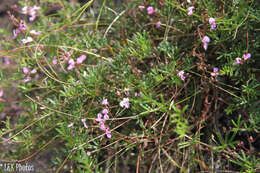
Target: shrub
x=173 y=81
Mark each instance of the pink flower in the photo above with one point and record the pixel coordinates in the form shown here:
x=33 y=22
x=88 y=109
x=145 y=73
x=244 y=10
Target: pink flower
x=88 y=153
x=33 y=71
x=212 y=22
x=190 y=10
x=104 y=102
x=125 y=103
x=55 y=61
x=247 y=56
x=108 y=133
x=102 y=126
x=189 y=1
x=31 y=11
x=71 y=64
x=24 y=10
x=238 y=61
x=99 y=117
x=205 y=42
x=84 y=122
x=6 y=61
x=22 y=26
x=1 y=93
x=104 y=111
x=158 y=24
x=106 y=117
x=150 y=10
x=215 y=71
x=141 y=7
x=27 y=40
x=26 y=70
x=118 y=93
x=70 y=125
x=81 y=59
x=35 y=32
x=181 y=75
x=16 y=32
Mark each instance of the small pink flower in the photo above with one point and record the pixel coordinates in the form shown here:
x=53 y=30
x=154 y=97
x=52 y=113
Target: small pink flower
x=1 y=93
x=70 y=125
x=104 y=111
x=70 y=67
x=106 y=117
x=36 y=8
x=212 y=22
x=88 y=153
x=118 y=93
x=81 y=59
x=102 y=126
x=71 y=61
x=104 y=102
x=71 y=64
x=181 y=75
x=35 y=32
x=22 y=26
x=247 y=56
x=150 y=10
x=16 y=32
x=190 y=10
x=26 y=70
x=205 y=42
x=27 y=40
x=6 y=61
x=141 y=7
x=55 y=61
x=108 y=133
x=189 y=1
x=158 y=24
x=31 y=11
x=84 y=122
x=25 y=10
x=125 y=103
x=99 y=117
x=215 y=71
x=33 y=71
x=238 y=61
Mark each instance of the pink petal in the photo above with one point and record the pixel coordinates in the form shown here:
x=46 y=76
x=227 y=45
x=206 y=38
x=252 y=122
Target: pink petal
x=81 y=59
x=26 y=70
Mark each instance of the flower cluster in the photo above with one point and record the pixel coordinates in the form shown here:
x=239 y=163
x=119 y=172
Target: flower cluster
x=31 y=11
x=190 y=10
x=215 y=72
x=28 y=72
x=27 y=40
x=181 y=75
x=20 y=29
x=205 y=42
x=212 y=22
x=240 y=61
x=78 y=62
x=125 y=103
x=102 y=117
x=33 y=32
x=149 y=9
